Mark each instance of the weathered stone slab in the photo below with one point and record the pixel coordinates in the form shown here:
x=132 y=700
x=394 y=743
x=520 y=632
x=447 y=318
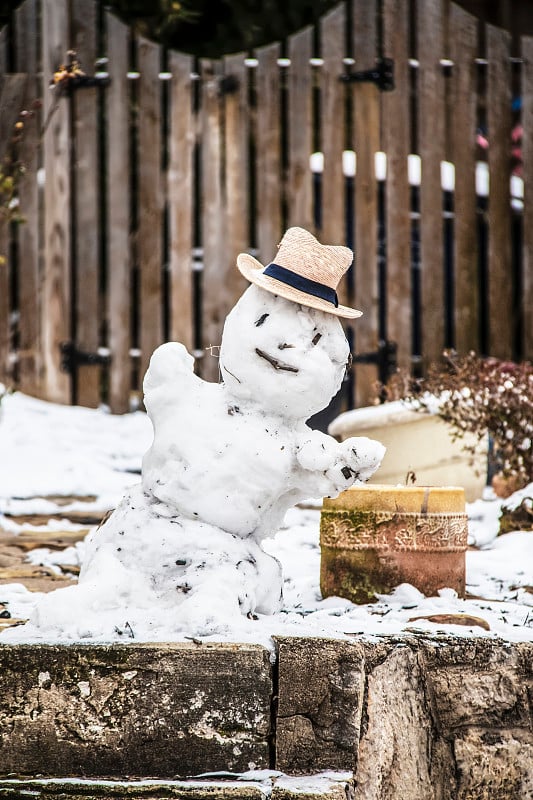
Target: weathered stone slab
x=320 y=697
x=416 y=718
x=397 y=756
x=333 y=786
x=126 y=711
x=481 y=682
x=147 y=790
x=494 y=764
x=446 y=719
x=330 y=786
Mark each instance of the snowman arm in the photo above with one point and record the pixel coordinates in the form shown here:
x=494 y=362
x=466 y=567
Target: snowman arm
x=358 y=458
x=169 y=363
x=330 y=467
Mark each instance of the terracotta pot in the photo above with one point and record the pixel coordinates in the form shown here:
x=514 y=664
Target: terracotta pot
x=374 y=538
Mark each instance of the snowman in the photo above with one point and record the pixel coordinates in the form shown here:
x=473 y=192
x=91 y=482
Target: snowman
x=229 y=459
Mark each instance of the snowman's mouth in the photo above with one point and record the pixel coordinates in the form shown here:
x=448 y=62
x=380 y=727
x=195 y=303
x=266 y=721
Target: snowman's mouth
x=275 y=362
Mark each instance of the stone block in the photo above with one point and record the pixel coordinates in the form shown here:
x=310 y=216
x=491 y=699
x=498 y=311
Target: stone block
x=127 y=711
x=397 y=756
x=494 y=765
x=480 y=682
x=130 y=790
x=330 y=786
x=320 y=696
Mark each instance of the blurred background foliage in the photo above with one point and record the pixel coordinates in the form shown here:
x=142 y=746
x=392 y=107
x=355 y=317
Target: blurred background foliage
x=212 y=28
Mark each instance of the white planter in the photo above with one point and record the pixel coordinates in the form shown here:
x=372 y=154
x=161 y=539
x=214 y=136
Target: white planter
x=416 y=442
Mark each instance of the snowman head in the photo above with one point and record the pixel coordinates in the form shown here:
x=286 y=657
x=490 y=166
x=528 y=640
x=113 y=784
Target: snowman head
x=285 y=357
x=283 y=346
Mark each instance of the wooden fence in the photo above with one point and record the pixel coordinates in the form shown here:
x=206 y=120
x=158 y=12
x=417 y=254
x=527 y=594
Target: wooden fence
x=140 y=191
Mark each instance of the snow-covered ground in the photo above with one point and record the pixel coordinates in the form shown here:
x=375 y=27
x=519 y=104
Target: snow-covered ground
x=48 y=450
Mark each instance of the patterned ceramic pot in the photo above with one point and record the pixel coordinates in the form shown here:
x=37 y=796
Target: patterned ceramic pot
x=374 y=538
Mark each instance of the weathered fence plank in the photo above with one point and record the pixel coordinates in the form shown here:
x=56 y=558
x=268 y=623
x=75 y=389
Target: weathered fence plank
x=527 y=158
x=254 y=130
x=12 y=93
x=268 y=152
x=462 y=113
x=180 y=200
x=118 y=299
x=212 y=219
x=333 y=134
x=431 y=130
x=29 y=341
x=5 y=372
x=4 y=246
x=86 y=207
x=300 y=131
x=150 y=230
x=56 y=283
x=237 y=172
x=396 y=135
x=3 y=49
x=5 y=328
x=502 y=319
x=366 y=125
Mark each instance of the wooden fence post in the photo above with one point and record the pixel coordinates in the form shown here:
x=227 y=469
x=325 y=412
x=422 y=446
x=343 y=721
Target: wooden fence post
x=462 y=114
x=396 y=137
x=527 y=158
x=29 y=322
x=366 y=125
x=268 y=152
x=56 y=285
x=333 y=135
x=501 y=316
x=4 y=247
x=212 y=217
x=86 y=205
x=12 y=95
x=237 y=175
x=118 y=299
x=150 y=231
x=431 y=122
x=300 y=131
x=181 y=200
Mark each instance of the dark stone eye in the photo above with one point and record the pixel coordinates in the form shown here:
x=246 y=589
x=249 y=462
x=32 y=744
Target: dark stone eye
x=316 y=338
x=261 y=320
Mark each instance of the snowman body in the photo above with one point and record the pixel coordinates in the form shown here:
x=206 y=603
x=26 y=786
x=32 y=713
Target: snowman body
x=238 y=454
x=227 y=461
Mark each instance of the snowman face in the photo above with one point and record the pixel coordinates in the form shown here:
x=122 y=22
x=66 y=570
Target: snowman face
x=287 y=358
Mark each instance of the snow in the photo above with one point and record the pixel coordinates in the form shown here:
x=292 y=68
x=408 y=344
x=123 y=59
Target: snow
x=265 y=780
x=186 y=555
x=41 y=447
x=495 y=574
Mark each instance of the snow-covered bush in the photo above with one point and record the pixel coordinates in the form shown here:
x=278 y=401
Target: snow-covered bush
x=479 y=395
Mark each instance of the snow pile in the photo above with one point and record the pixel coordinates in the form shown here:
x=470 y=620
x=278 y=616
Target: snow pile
x=66 y=450
x=499 y=581
x=226 y=463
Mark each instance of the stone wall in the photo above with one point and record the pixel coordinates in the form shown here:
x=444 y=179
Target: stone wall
x=413 y=718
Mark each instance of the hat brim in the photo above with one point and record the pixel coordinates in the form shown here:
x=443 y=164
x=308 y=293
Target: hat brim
x=252 y=270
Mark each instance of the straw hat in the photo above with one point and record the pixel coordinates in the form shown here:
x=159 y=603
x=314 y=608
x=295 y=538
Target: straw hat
x=304 y=271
